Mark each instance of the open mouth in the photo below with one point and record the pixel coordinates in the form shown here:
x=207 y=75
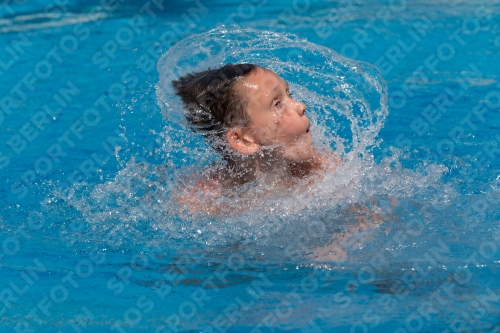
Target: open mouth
x=308 y=129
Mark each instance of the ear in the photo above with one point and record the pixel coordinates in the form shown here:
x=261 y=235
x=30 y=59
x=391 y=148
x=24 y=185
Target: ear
x=241 y=141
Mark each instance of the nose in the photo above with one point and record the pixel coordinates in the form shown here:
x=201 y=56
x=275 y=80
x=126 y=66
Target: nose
x=301 y=108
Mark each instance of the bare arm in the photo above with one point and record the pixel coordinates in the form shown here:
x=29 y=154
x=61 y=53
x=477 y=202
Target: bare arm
x=366 y=218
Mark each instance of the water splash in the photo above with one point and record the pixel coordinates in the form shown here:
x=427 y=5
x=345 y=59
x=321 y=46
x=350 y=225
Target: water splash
x=347 y=102
x=347 y=99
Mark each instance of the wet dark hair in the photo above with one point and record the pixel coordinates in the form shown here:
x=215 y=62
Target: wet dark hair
x=211 y=100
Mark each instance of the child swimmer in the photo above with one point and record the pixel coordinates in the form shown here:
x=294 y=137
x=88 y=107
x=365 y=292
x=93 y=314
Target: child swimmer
x=248 y=115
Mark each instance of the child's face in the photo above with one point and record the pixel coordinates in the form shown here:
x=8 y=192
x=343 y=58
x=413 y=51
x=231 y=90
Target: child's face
x=276 y=119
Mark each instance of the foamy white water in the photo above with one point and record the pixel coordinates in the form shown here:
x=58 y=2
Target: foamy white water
x=347 y=104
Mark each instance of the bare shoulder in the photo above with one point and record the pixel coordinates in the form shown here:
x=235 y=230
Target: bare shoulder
x=200 y=195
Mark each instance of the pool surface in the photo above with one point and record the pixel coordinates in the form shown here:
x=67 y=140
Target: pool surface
x=92 y=150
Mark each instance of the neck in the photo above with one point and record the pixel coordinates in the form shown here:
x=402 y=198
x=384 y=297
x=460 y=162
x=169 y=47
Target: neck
x=271 y=169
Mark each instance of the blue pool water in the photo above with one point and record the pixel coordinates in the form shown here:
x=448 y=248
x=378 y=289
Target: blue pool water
x=92 y=148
